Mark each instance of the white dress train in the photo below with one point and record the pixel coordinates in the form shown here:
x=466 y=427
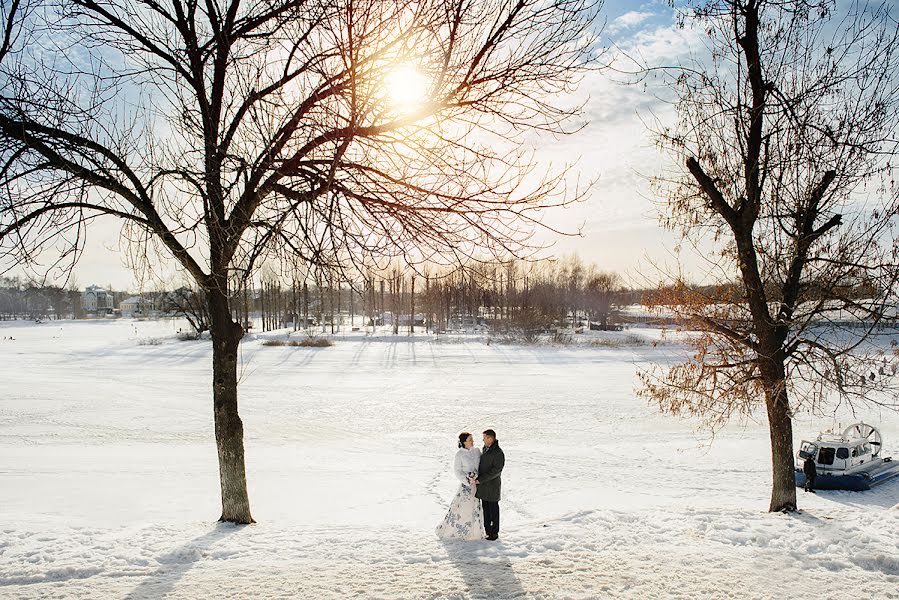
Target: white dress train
x=465 y=518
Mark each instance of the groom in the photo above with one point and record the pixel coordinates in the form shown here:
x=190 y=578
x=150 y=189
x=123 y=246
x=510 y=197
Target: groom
x=491 y=466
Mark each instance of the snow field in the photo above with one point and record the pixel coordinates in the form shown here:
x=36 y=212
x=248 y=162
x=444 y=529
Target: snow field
x=109 y=488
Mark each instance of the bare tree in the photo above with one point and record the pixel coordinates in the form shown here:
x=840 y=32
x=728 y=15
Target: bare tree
x=787 y=134
x=188 y=302
x=225 y=134
x=601 y=289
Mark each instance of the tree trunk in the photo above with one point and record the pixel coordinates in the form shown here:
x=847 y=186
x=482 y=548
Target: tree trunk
x=331 y=303
x=226 y=335
x=246 y=306
x=395 y=302
x=780 y=427
x=321 y=303
x=305 y=306
x=382 y=299
x=262 y=307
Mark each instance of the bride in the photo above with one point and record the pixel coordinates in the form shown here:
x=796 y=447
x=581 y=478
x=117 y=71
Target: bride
x=464 y=520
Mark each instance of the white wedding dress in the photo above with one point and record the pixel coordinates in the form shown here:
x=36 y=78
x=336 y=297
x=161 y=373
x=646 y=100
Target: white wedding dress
x=465 y=519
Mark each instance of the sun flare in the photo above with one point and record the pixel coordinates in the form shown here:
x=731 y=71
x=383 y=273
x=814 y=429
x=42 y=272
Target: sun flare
x=407 y=88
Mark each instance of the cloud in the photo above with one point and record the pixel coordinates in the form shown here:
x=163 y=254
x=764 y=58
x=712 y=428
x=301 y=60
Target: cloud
x=619 y=221
x=628 y=20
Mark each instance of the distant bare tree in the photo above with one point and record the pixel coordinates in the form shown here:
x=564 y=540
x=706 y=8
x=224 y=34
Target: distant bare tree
x=227 y=133
x=788 y=138
x=188 y=302
x=59 y=301
x=601 y=289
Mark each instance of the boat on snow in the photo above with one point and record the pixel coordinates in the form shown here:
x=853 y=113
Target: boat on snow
x=847 y=461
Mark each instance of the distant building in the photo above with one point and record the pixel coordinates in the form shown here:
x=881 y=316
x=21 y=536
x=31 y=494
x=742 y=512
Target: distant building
x=468 y=323
x=418 y=320
x=95 y=300
x=301 y=321
x=136 y=306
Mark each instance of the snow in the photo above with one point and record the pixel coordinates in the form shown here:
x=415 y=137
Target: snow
x=109 y=488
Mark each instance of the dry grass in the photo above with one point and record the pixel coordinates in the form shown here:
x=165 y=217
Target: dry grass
x=627 y=340
x=311 y=342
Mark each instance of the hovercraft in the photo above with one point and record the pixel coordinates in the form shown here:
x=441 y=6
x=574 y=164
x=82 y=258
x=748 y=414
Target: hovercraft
x=847 y=461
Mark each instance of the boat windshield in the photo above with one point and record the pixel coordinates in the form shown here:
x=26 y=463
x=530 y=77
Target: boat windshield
x=825 y=456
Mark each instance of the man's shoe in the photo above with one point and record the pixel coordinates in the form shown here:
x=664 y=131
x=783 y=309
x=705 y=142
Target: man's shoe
x=492 y=537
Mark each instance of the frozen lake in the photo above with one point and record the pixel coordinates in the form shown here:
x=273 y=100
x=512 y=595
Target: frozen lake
x=109 y=480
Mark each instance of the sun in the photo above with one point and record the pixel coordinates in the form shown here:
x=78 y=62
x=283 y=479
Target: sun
x=407 y=88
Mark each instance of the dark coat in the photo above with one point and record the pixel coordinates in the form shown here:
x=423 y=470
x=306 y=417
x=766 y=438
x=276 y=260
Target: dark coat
x=491 y=466
x=808 y=467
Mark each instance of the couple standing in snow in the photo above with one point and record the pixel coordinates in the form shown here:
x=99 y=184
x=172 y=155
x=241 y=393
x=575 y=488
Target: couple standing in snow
x=474 y=512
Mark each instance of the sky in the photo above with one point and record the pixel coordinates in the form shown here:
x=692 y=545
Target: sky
x=618 y=222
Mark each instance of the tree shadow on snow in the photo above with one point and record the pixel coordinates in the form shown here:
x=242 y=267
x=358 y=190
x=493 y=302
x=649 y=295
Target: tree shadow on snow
x=485 y=568
x=177 y=562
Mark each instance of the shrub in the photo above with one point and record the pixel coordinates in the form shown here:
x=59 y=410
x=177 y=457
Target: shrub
x=560 y=338
x=312 y=342
x=627 y=340
x=605 y=343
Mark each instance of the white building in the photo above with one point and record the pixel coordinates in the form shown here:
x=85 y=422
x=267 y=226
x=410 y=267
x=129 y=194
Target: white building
x=135 y=306
x=96 y=300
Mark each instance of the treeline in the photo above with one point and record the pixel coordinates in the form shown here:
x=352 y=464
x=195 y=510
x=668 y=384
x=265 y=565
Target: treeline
x=732 y=293
x=529 y=295
x=513 y=294
x=24 y=300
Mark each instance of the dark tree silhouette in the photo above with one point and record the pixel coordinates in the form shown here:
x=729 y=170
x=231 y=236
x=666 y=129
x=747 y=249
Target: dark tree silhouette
x=189 y=303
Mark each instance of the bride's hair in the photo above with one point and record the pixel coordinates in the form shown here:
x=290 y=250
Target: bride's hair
x=462 y=437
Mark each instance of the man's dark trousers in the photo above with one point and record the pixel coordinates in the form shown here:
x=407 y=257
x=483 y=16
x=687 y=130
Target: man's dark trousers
x=491 y=517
